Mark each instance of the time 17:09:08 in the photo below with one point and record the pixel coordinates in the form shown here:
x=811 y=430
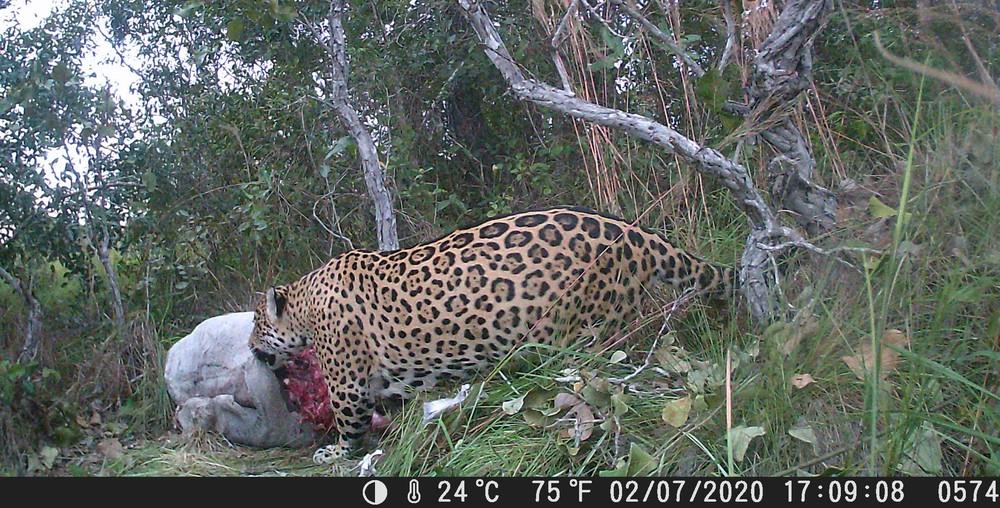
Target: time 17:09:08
x=887 y=491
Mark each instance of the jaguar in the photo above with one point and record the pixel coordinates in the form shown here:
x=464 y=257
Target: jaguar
x=384 y=324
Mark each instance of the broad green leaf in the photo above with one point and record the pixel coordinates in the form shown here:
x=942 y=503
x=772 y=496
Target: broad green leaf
x=618 y=356
x=538 y=397
x=638 y=463
x=676 y=412
x=48 y=456
x=234 y=29
x=536 y=418
x=879 y=209
x=512 y=406
x=804 y=434
x=923 y=456
x=740 y=437
x=619 y=404
x=597 y=393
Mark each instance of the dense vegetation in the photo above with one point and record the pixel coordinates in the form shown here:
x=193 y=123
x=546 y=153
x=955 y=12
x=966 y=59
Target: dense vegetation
x=130 y=213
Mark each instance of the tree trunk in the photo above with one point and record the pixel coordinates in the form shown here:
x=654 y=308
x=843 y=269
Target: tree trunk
x=782 y=71
x=34 y=326
x=101 y=245
x=335 y=45
x=117 y=307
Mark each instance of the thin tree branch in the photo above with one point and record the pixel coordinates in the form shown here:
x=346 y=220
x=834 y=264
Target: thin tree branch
x=990 y=93
x=29 y=349
x=727 y=53
x=665 y=39
x=557 y=39
x=375 y=178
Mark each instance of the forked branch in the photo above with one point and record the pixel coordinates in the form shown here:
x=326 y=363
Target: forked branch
x=334 y=43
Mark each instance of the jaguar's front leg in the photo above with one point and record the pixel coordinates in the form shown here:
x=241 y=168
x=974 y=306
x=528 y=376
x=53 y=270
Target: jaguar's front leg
x=352 y=410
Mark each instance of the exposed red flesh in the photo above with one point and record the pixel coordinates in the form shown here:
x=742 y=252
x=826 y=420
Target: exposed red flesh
x=307 y=392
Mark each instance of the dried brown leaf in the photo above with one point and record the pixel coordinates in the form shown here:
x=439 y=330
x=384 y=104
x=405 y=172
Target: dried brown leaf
x=110 y=448
x=801 y=381
x=864 y=360
x=564 y=400
x=583 y=422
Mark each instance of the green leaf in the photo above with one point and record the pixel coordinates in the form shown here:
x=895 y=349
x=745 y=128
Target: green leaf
x=804 y=434
x=604 y=64
x=879 y=209
x=596 y=393
x=618 y=356
x=537 y=418
x=512 y=406
x=614 y=42
x=923 y=456
x=234 y=30
x=51 y=374
x=740 y=437
x=713 y=90
x=619 y=404
x=48 y=456
x=538 y=397
x=676 y=412
x=638 y=463
x=616 y=51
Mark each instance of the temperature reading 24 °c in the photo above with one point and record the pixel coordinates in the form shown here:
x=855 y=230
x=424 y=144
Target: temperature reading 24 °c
x=457 y=492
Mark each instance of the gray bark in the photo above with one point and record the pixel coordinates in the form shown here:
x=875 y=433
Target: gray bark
x=101 y=247
x=759 y=281
x=117 y=307
x=727 y=52
x=31 y=335
x=335 y=46
x=782 y=71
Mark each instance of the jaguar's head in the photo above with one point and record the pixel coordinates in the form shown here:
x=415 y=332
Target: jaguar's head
x=277 y=333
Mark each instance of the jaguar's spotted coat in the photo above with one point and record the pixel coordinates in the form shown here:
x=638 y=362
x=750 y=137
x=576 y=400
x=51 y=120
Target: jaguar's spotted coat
x=385 y=321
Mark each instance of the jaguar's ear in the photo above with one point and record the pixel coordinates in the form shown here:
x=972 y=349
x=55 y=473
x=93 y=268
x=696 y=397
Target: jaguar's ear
x=275 y=305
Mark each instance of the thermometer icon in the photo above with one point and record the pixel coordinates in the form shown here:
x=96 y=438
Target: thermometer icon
x=413 y=493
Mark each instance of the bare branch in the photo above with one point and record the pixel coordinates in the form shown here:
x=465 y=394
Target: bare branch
x=557 y=39
x=335 y=46
x=560 y=34
x=782 y=71
x=986 y=91
x=31 y=335
x=667 y=40
x=727 y=53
